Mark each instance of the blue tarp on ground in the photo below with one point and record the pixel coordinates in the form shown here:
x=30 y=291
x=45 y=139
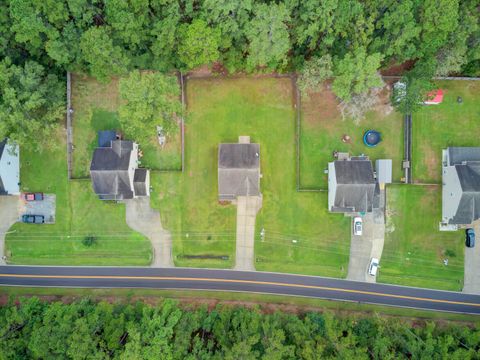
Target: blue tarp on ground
x=105 y=137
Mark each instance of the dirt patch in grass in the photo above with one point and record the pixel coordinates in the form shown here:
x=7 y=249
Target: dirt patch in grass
x=431 y=161
x=397 y=69
x=320 y=108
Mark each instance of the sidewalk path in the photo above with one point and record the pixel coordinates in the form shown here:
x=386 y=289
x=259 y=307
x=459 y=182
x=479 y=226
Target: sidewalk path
x=247 y=208
x=142 y=218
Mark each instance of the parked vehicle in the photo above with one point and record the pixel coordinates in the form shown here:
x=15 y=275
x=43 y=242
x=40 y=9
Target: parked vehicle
x=373 y=268
x=470 y=238
x=33 y=196
x=33 y=219
x=357 y=225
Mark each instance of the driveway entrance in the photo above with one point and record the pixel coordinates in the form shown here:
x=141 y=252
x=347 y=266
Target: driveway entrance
x=247 y=208
x=368 y=245
x=9 y=215
x=142 y=218
x=471 y=277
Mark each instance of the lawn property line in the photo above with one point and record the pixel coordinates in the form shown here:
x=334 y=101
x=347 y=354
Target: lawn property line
x=182 y=88
x=298 y=132
x=69 y=125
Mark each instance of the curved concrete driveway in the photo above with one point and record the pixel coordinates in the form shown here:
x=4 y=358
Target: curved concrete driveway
x=142 y=218
x=9 y=215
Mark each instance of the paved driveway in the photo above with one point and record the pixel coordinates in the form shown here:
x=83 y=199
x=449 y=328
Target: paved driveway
x=366 y=246
x=45 y=207
x=142 y=218
x=247 y=208
x=9 y=214
x=471 y=277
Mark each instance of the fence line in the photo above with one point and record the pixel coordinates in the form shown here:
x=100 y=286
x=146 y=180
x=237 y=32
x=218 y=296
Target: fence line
x=69 y=126
x=464 y=78
x=182 y=87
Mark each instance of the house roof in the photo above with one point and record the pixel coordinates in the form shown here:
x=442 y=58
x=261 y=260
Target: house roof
x=460 y=155
x=109 y=170
x=238 y=170
x=140 y=182
x=9 y=168
x=354 y=172
x=461 y=186
x=383 y=168
x=354 y=186
x=105 y=138
x=116 y=157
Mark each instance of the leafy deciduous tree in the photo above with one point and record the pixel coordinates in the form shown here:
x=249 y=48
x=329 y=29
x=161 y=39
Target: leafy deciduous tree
x=31 y=104
x=151 y=99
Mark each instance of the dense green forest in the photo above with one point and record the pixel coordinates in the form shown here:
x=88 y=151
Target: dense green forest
x=89 y=330
x=347 y=39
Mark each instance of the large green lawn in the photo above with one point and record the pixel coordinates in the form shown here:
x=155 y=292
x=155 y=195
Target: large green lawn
x=219 y=110
x=436 y=127
x=322 y=130
x=78 y=213
x=414 y=248
x=96 y=108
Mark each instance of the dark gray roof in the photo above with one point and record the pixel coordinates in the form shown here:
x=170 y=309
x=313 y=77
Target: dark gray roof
x=356 y=188
x=116 y=157
x=2 y=146
x=458 y=155
x=461 y=186
x=239 y=156
x=356 y=172
x=468 y=210
x=105 y=138
x=140 y=182
x=238 y=170
x=2 y=187
x=469 y=176
x=109 y=170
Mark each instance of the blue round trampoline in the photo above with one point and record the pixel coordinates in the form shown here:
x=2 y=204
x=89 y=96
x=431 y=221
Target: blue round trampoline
x=371 y=138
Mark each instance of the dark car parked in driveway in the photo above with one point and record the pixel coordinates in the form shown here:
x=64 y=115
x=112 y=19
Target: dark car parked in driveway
x=470 y=238
x=33 y=219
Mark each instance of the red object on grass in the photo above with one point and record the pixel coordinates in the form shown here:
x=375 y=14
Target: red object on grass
x=434 y=97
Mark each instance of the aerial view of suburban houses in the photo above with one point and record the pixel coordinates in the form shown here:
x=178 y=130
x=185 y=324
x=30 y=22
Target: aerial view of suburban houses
x=239 y=179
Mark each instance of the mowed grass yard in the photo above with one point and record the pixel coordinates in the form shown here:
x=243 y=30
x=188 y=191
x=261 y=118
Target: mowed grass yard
x=96 y=108
x=414 y=248
x=322 y=130
x=436 y=127
x=300 y=235
x=78 y=213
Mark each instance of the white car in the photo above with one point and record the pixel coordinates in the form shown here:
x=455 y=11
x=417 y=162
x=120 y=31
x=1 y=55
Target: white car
x=357 y=225
x=373 y=268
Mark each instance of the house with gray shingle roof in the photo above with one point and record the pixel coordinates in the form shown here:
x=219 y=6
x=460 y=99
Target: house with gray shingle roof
x=352 y=187
x=114 y=171
x=460 y=186
x=238 y=170
x=9 y=168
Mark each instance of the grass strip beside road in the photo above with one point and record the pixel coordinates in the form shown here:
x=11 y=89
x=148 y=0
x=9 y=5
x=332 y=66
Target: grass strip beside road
x=266 y=302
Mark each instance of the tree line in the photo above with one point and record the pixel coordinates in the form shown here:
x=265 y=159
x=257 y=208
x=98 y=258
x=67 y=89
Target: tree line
x=32 y=329
x=349 y=40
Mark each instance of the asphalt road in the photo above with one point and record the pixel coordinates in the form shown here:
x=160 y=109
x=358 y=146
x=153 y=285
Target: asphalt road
x=243 y=281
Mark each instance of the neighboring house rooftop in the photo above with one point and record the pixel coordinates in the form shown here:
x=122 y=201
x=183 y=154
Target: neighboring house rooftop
x=352 y=186
x=9 y=168
x=461 y=185
x=115 y=174
x=238 y=170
